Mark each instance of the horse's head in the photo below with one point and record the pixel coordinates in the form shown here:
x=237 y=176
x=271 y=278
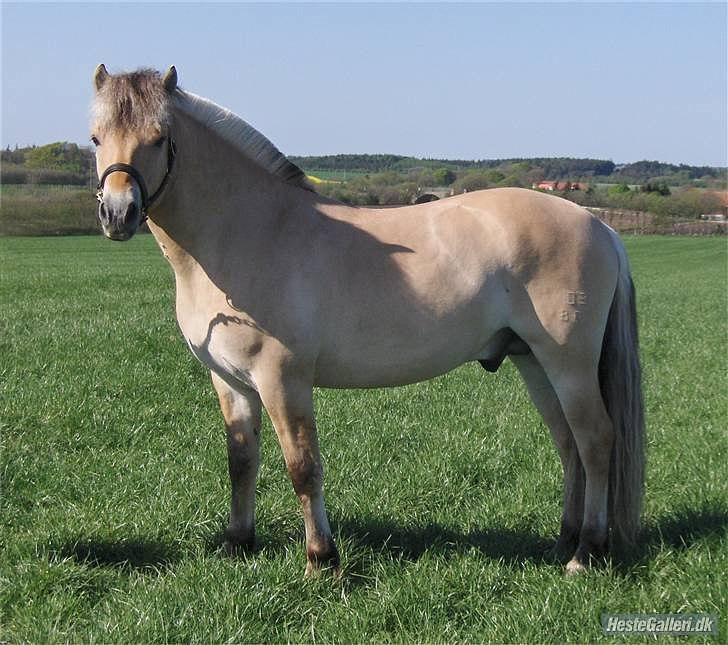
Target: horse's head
x=134 y=148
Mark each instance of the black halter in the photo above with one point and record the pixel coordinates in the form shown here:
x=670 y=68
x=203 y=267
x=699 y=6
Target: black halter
x=147 y=201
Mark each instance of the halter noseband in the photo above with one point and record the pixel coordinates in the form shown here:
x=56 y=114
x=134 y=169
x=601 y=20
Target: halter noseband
x=147 y=201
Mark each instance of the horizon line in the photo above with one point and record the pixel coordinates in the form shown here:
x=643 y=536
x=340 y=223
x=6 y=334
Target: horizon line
x=723 y=166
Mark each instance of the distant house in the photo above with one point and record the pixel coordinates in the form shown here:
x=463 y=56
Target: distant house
x=559 y=186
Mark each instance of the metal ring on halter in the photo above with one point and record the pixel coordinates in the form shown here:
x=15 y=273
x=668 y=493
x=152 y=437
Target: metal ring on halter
x=147 y=201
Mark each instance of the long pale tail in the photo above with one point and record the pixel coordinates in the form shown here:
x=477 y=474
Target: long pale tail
x=621 y=387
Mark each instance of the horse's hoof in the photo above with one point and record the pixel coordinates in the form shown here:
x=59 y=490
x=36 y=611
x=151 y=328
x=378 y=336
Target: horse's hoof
x=330 y=565
x=314 y=571
x=234 y=547
x=575 y=567
x=323 y=560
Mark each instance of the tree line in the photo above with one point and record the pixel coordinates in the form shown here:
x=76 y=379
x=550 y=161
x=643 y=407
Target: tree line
x=64 y=162
x=55 y=163
x=664 y=189
x=553 y=167
x=545 y=168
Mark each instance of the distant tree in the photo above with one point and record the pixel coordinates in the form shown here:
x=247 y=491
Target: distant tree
x=661 y=188
x=443 y=177
x=619 y=189
x=400 y=194
x=11 y=173
x=494 y=176
x=15 y=156
x=471 y=180
x=56 y=156
x=513 y=180
x=421 y=176
x=693 y=202
x=387 y=178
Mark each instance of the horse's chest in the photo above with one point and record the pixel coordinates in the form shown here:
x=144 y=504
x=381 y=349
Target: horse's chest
x=225 y=345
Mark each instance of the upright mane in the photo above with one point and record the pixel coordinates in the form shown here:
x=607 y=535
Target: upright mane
x=241 y=135
x=133 y=101
x=138 y=100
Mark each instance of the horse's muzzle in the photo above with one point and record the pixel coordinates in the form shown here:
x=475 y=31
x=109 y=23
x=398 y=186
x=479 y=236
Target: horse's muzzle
x=119 y=219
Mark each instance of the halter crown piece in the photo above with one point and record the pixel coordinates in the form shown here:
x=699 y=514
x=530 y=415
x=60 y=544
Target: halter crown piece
x=147 y=202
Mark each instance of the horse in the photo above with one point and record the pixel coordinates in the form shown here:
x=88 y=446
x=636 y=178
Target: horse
x=280 y=289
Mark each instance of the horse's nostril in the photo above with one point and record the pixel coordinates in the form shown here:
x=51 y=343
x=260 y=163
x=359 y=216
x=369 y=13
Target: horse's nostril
x=103 y=213
x=131 y=211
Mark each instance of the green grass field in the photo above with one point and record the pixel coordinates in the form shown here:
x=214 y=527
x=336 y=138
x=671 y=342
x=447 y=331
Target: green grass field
x=40 y=209
x=442 y=495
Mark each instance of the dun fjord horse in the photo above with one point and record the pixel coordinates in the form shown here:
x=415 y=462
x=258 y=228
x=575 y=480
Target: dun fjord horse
x=280 y=289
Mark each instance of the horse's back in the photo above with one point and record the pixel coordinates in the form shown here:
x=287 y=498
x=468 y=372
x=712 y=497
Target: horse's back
x=463 y=241
x=498 y=221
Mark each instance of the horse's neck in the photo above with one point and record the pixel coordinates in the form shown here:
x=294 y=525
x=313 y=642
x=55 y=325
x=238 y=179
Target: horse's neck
x=219 y=202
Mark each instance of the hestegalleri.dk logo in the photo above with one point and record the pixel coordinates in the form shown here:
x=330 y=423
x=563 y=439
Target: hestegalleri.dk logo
x=673 y=624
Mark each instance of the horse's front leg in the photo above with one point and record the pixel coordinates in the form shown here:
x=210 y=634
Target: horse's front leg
x=291 y=410
x=242 y=412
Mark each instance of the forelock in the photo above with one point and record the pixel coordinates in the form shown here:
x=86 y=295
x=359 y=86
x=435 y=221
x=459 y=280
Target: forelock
x=135 y=101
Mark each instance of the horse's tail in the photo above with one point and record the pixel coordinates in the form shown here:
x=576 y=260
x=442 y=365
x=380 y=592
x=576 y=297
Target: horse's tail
x=621 y=387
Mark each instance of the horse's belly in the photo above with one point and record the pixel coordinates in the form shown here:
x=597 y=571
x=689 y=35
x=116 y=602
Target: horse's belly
x=365 y=375
x=389 y=359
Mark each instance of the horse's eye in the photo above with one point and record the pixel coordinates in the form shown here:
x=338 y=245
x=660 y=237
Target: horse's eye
x=95 y=141
x=160 y=141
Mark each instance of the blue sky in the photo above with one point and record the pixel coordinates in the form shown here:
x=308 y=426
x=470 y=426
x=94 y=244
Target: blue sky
x=618 y=81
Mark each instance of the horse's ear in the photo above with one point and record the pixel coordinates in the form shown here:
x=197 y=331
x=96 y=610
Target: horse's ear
x=100 y=76
x=170 y=79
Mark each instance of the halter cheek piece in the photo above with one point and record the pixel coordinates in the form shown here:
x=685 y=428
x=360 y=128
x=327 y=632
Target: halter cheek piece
x=147 y=201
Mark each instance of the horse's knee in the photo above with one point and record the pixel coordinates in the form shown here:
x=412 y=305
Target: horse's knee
x=242 y=435
x=241 y=442
x=242 y=446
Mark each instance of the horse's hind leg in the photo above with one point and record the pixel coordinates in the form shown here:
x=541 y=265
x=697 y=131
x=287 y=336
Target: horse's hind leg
x=242 y=412
x=577 y=387
x=547 y=403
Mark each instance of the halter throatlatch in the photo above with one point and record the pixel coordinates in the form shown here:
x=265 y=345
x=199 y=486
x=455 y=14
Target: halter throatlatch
x=147 y=201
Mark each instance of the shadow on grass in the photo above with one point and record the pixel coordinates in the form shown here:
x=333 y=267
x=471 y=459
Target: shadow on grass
x=412 y=542
x=680 y=530
x=133 y=554
x=269 y=538
x=688 y=525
